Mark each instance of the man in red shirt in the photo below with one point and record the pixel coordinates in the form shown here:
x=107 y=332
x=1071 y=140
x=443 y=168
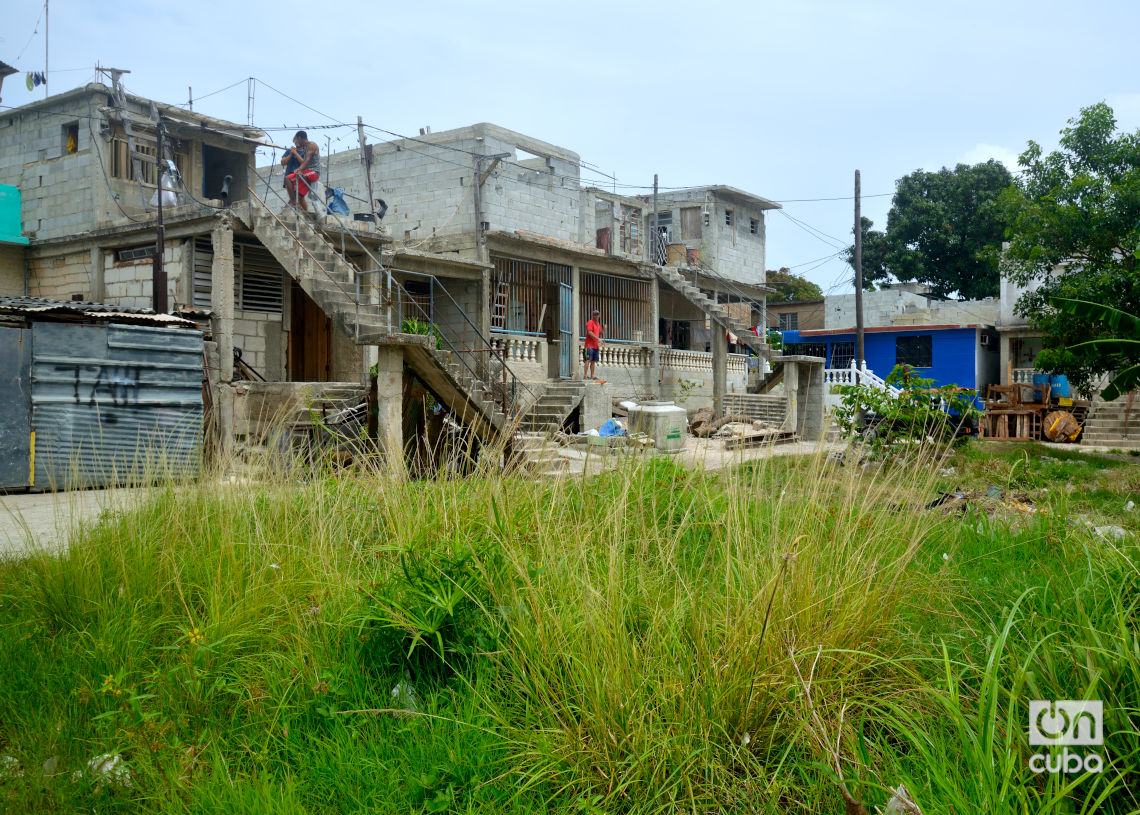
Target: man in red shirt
x=594 y=332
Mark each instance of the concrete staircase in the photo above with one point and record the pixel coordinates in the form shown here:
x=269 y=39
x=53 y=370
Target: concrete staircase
x=552 y=408
x=538 y=455
x=672 y=276
x=477 y=398
x=1106 y=426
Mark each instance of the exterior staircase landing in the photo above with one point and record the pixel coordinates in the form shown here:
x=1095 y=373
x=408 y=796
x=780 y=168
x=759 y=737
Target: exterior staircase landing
x=714 y=310
x=556 y=403
x=330 y=280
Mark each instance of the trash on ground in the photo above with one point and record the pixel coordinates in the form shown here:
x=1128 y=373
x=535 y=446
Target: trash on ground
x=612 y=427
x=10 y=767
x=945 y=472
x=107 y=768
x=1111 y=532
x=1131 y=505
x=994 y=491
x=404 y=696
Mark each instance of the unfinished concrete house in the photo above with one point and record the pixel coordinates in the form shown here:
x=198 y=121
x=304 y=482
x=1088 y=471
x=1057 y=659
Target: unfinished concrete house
x=550 y=251
x=467 y=274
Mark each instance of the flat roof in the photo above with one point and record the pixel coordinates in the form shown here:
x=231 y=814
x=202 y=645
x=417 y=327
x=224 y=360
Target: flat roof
x=725 y=191
x=882 y=329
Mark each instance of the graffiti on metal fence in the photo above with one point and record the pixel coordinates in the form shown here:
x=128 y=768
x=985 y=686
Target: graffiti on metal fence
x=114 y=384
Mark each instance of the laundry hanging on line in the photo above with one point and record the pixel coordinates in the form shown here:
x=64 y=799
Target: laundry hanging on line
x=35 y=79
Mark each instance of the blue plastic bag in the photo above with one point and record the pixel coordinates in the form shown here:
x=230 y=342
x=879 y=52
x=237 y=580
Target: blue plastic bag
x=336 y=201
x=611 y=428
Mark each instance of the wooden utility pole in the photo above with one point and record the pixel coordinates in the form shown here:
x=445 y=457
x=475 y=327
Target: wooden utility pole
x=859 y=358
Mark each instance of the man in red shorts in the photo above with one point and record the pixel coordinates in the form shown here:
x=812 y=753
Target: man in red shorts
x=594 y=332
x=308 y=170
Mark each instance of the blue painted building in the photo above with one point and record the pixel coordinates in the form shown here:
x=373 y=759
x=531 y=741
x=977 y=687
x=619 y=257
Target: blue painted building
x=964 y=355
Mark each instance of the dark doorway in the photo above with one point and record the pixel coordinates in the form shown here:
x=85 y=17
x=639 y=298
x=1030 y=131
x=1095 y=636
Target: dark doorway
x=217 y=163
x=310 y=340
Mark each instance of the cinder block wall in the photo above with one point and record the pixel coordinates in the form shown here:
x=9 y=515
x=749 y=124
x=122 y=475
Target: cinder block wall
x=427 y=184
x=58 y=189
x=11 y=271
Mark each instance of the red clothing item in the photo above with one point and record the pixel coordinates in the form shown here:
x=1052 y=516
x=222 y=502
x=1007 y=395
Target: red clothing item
x=595 y=328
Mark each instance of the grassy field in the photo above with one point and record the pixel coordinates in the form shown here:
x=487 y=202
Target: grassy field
x=791 y=635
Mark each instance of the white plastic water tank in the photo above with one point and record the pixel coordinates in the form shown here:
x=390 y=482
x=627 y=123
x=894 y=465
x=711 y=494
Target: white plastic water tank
x=664 y=422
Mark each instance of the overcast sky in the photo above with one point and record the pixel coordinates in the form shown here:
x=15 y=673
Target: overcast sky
x=783 y=99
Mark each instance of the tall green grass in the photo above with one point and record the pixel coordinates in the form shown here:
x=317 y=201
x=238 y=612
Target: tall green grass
x=651 y=639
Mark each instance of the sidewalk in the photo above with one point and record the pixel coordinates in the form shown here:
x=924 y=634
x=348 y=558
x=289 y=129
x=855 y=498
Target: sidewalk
x=42 y=521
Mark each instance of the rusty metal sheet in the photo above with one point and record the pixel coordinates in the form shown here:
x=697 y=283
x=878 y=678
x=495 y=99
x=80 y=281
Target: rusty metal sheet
x=115 y=404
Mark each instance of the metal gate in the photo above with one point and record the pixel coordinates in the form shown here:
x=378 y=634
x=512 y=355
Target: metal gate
x=15 y=407
x=565 y=328
x=115 y=404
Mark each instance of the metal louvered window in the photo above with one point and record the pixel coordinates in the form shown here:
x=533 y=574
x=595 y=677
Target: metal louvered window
x=258 y=279
x=203 y=294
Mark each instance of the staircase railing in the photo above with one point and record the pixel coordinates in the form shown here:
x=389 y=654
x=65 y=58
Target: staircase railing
x=857 y=376
x=483 y=363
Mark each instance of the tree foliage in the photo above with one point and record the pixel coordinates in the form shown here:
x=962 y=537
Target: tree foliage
x=791 y=286
x=1074 y=234
x=944 y=229
x=1122 y=349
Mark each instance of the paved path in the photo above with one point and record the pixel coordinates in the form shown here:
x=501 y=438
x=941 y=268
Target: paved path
x=43 y=521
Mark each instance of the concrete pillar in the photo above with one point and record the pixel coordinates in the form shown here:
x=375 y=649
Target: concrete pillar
x=222 y=293
x=809 y=413
x=653 y=339
x=390 y=406
x=597 y=406
x=576 y=321
x=720 y=367
x=792 y=390
x=98 y=271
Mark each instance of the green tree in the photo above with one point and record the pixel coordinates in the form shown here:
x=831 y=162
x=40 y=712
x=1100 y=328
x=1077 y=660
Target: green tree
x=791 y=286
x=1074 y=232
x=944 y=229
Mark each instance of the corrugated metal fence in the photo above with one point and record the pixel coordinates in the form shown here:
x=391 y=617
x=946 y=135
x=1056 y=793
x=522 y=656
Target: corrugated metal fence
x=114 y=404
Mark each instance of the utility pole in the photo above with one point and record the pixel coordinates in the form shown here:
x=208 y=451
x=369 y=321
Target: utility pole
x=859 y=358
x=653 y=243
x=477 y=200
x=158 y=273
x=366 y=159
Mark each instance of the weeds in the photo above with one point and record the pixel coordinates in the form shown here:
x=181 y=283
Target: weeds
x=781 y=637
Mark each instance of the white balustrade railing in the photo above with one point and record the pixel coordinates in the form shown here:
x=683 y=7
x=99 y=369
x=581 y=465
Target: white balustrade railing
x=518 y=348
x=1023 y=376
x=623 y=356
x=855 y=376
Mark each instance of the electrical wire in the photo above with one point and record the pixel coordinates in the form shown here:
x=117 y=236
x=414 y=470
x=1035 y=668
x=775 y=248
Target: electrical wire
x=35 y=31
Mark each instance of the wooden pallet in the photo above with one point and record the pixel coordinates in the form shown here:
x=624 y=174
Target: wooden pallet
x=761 y=439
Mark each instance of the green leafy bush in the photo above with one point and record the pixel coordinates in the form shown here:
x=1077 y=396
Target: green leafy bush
x=919 y=413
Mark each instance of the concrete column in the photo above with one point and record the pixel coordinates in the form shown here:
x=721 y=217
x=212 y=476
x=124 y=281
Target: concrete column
x=720 y=367
x=222 y=293
x=576 y=321
x=98 y=272
x=185 y=295
x=484 y=295
x=792 y=390
x=654 y=345
x=390 y=406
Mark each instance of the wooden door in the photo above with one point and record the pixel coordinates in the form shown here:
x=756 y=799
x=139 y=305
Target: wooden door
x=310 y=340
